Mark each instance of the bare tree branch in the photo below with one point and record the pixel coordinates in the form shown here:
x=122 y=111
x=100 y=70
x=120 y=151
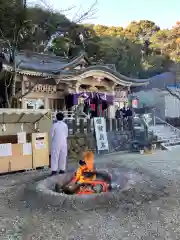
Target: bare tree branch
x=5 y=82
x=5 y=39
x=6 y=89
x=50 y=8
x=173 y=94
x=81 y=16
x=29 y=91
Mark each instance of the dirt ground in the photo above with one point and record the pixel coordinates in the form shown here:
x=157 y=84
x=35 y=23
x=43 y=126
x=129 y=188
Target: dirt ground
x=156 y=218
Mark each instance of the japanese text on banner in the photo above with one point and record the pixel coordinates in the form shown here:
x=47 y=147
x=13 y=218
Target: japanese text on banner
x=101 y=135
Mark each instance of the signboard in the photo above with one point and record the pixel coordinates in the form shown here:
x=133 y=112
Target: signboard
x=45 y=88
x=101 y=135
x=134 y=103
x=5 y=150
x=40 y=141
x=21 y=137
x=27 y=149
x=121 y=94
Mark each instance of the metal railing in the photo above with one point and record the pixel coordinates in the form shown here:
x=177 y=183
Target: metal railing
x=153 y=120
x=67 y=114
x=158 y=120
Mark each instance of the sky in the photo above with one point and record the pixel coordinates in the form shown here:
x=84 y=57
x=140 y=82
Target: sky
x=164 y=13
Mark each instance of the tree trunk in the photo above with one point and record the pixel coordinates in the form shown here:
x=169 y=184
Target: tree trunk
x=13 y=81
x=12 y=89
x=8 y=105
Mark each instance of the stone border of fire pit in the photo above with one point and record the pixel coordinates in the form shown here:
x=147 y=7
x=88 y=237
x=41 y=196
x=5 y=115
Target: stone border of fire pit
x=137 y=193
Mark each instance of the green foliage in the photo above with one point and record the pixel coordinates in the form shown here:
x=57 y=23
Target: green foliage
x=102 y=30
x=141 y=49
x=28 y=27
x=12 y=13
x=123 y=53
x=43 y=24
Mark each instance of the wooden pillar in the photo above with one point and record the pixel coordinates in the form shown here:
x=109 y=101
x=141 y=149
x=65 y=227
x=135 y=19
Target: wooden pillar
x=111 y=111
x=111 y=108
x=113 y=89
x=77 y=87
x=23 y=104
x=22 y=85
x=46 y=103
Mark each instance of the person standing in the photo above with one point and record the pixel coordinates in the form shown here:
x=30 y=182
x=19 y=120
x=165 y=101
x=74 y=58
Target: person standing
x=118 y=113
x=59 y=134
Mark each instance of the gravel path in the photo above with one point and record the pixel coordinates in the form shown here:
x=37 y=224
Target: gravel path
x=157 y=218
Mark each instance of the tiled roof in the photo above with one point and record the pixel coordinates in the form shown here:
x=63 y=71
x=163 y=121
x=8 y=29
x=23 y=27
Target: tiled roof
x=159 y=82
x=43 y=63
x=104 y=69
x=35 y=64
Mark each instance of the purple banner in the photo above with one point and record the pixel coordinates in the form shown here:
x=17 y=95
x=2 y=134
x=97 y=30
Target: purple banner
x=89 y=95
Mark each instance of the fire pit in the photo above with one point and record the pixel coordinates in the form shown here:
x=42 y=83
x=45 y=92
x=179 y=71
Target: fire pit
x=123 y=180
x=101 y=183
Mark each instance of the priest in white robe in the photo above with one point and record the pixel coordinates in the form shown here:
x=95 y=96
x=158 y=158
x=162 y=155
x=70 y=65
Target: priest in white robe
x=59 y=134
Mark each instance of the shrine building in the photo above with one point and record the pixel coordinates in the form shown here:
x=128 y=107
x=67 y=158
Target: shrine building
x=57 y=83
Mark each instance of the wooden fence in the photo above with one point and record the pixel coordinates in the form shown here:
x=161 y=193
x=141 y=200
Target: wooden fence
x=87 y=125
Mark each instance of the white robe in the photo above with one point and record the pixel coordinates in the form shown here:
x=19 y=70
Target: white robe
x=59 y=134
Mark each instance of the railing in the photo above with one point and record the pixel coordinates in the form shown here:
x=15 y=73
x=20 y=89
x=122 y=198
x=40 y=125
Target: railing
x=67 y=115
x=75 y=125
x=84 y=125
x=87 y=125
x=161 y=121
x=152 y=120
x=174 y=121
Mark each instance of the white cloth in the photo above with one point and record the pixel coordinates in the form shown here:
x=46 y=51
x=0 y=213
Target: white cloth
x=59 y=134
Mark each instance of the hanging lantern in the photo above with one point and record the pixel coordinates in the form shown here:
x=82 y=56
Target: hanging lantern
x=22 y=127
x=3 y=128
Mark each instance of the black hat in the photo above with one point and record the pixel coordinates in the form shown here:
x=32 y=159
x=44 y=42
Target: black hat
x=59 y=116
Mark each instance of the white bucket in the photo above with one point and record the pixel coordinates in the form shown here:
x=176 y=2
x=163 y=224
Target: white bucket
x=142 y=151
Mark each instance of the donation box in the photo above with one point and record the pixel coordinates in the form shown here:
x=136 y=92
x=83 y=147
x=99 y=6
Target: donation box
x=15 y=157
x=40 y=151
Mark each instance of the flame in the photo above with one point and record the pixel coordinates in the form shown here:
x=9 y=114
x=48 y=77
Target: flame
x=89 y=159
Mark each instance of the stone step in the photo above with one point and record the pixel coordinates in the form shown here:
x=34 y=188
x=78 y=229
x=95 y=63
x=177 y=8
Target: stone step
x=158 y=127
x=171 y=143
x=166 y=132
x=170 y=148
x=163 y=131
x=167 y=138
x=154 y=128
x=167 y=143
